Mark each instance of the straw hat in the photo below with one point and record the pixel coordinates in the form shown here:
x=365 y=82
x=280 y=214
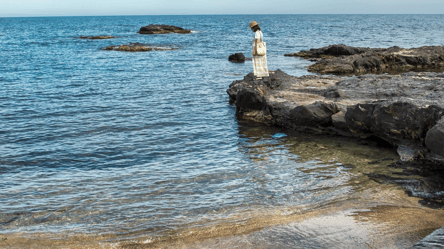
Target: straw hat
x=253 y=23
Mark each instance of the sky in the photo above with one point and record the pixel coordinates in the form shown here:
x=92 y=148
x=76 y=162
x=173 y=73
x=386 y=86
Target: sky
x=20 y=8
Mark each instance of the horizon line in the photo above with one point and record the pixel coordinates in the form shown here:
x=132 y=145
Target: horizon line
x=204 y=15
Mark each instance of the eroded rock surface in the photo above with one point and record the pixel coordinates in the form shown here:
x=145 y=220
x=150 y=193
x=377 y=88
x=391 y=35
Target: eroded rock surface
x=345 y=60
x=403 y=109
x=162 y=29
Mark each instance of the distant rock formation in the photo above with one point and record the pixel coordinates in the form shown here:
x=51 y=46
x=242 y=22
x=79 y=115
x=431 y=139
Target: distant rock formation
x=100 y=37
x=237 y=58
x=162 y=29
x=137 y=47
x=345 y=60
x=406 y=110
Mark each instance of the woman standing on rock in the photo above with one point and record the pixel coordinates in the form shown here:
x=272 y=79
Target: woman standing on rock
x=259 y=52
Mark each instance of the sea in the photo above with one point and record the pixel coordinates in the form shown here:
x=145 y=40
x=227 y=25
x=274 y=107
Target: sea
x=143 y=149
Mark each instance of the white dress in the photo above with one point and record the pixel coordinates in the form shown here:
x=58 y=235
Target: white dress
x=259 y=62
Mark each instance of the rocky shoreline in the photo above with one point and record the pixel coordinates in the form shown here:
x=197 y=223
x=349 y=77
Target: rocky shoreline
x=405 y=110
x=346 y=60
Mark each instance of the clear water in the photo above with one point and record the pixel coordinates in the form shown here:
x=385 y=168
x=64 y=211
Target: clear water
x=96 y=141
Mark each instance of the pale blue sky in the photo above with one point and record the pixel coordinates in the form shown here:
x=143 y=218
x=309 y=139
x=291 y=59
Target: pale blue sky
x=189 y=7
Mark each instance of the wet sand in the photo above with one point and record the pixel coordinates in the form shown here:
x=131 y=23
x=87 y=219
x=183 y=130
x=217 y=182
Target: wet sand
x=377 y=227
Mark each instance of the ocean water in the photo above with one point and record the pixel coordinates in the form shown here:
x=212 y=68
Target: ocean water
x=138 y=145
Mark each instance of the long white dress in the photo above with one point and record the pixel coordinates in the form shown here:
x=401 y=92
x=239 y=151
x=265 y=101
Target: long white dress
x=259 y=62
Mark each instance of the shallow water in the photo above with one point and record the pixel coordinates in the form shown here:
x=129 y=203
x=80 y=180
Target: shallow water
x=140 y=145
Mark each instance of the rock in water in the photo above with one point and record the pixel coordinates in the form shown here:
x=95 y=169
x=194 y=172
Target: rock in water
x=162 y=29
x=100 y=37
x=406 y=110
x=345 y=60
x=237 y=58
x=137 y=47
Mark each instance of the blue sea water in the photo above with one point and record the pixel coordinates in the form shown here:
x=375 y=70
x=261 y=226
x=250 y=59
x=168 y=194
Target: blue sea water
x=96 y=141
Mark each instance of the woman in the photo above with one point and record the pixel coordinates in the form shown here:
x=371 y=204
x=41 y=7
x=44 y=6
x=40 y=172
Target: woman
x=259 y=61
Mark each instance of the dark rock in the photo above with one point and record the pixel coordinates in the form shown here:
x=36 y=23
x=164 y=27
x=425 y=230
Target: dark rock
x=345 y=60
x=162 y=29
x=315 y=114
x=338 y=50
x=100 y=37
x=359 y=118
x=409 y=120
x=434 y=240
x=339 y=121
x=435 y=138
x=329 y=52
x=250 y=99
x=237 y=58
x=137 y=47
x=403 y=110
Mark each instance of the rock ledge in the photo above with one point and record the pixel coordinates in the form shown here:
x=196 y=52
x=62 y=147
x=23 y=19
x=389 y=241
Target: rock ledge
x=406 y=110
x=345 y=60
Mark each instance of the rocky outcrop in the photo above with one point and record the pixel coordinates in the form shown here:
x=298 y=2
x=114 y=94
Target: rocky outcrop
x=406 y=110
x=137 y=47
x=434 y=240
x=162 y=29
x=345 y=60
x=100 y=37
x=237 y=58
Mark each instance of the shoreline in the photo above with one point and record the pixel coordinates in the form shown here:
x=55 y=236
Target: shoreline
x=369 y=206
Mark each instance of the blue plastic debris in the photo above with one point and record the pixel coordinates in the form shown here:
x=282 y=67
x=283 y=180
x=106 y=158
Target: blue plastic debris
x=279 y=135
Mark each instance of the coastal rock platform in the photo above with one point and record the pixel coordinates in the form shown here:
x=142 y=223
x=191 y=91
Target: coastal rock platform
x=162 y=29
x=405 y=110
x=345 y=60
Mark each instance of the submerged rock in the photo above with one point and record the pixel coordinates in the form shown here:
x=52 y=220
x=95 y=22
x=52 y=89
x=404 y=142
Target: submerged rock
x=162 y=29
x=345 y=60
x=237 y=58
x=100 y=37
x=404 y=110
x=137 y=47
